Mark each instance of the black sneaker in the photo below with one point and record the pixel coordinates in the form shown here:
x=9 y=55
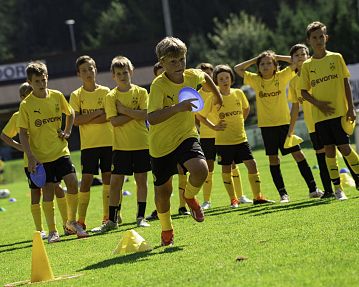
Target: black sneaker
x=262 y=200
x=183 y=211
x=327 y=195
x=153 y=216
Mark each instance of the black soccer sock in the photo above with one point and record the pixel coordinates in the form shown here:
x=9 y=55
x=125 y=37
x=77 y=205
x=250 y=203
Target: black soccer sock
x=324 y=174
x=277 y=179
x=141 y=209
x=354 y=175
x=307 y=174
x=113 y=210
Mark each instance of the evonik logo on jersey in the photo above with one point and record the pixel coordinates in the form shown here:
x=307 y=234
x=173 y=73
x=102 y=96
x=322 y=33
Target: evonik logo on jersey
x=88 y=111
x=222 y=115
x=40 y=122
x=315 y=82
x=271 y=94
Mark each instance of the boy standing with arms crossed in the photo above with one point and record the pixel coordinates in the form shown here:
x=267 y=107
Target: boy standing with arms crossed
x=327 y=76
x=43 y=141
x=173 y=137
x=88 y=101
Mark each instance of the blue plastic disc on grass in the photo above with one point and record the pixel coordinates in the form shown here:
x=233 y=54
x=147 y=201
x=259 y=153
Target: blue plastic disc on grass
x=344 y=170
x=187 y=93
x=39 y=176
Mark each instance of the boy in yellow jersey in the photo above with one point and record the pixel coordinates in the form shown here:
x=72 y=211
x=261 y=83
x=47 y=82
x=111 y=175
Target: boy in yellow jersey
x=326 y=76
x=10 y=131
x=96 y=134
x=173 y=138
x=43 y=141
x=274 y=117
x=126 y=108
x=230 y=137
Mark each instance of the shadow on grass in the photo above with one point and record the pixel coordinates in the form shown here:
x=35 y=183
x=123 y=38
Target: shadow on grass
x=15 y=243
x=130 y=258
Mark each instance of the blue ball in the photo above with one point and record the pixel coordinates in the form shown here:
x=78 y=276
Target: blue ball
x=344 y=170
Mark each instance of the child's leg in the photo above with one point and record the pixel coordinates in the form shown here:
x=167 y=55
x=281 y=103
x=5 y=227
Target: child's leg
x=237 y=181
x=332 y=164
x=36 y=208
x=305 y=170
x=207 y=185
x=106 y=178
x=84 y=196
x=253 y=177
x=48 y=206
x=182 y=182
x=61 y=202
x=71 y=196
x=353 y=174
x=274 y=165
x=228 y=183
x=351 y=157
x=324 y=173
x=141 y=183
x=115 y=199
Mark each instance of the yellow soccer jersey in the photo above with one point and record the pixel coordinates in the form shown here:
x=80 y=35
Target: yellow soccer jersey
x=84 y=102
x=11 y=130
x=206 y=132
x=325 y=78
x=165 y=137
x=271 y=99
x=232 y=113
x=295 y=96
x=42 y=117
x=132 y=135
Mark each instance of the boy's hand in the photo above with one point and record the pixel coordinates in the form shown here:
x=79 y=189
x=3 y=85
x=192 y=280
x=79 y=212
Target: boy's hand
x=186 y=105
x=325 y=108
x=63 y=134
x=120 y=108
x=351 y=115
x=220 y=126
x=99 y=112
x=32 y=163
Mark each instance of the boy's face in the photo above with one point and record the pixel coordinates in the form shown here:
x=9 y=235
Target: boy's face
x=267 y=67
x=224 y=80
x=318 y=39
x=87 y=72
x=300 y=56
x=122 y=76
x=174 y=66
x=38 y=83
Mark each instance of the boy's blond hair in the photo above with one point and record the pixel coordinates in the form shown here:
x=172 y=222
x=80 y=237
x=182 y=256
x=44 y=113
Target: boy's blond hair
x=170 y=46
x=315 y=26
x=205 y=66
x=222 y=68
x=270 y=54
x=121 y=62
x=24 y=90
x=84 y=59
x=36 y=68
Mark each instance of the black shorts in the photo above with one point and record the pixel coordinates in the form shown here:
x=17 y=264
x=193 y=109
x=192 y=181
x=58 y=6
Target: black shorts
x=274 y=139
x=128 y=162
x=227 y=154
x=316 y=141
x=331 y=132
x=208 y=148
x=94 y=158
x=57 y=169
x=166 y=166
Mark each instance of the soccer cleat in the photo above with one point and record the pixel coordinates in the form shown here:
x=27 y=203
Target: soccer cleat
x=107 y=226
x=284 y=198
x=76 y=228
x=53 y=237
x=183 y=211
x=206 y=205
x=141 y=222
x=167 y=238
x=245 y=199
x=83 y=225
x=234 y=203
x=104 y=219
x=43 y=234
x=195 y=209
x=316 y=194
x=153 y=216
x=262 y=200
x=340 y=195
x=119 y=218
x=68 y=231
x=327 y=195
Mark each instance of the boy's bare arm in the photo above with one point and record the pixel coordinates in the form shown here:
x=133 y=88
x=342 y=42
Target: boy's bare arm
x=246 y=112
x=242 y=67
x=351 y=115
x=120 y=120
x=293 y=118
x=134 y=114
x=65 y=134
x=323 y=106
x=209 y=85
x=287 y=59
x=24 y=140
x=218 y=127
x=81 y=119
x=99 y=120
x=11 y=142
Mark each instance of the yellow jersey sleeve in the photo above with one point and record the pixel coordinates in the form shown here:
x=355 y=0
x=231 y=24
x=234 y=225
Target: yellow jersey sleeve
x=325 y=78
x=11 y=129
x=42 y=117
x=84 y=102
x=166 y=136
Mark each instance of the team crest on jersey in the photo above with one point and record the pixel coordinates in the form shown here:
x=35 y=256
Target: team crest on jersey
x=57 y=108
x=276 y=82
x=99 y=102
x=135 y=102
x=332 y=66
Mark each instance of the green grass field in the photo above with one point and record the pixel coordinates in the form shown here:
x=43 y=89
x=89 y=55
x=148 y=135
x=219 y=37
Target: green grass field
x=303 y=243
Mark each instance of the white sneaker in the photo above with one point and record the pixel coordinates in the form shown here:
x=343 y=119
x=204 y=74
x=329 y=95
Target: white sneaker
x=340 y=195
x=43 y=234
x=284 y=198
x=206 y=205
x=107 y=226
x=316 y=194
x=234 y=203
x=141 y=222
x=245 y=199
x=76 y=228
x=53 y=237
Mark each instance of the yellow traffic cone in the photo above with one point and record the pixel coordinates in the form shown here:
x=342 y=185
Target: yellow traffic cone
x=40 y=269
x=131 y=242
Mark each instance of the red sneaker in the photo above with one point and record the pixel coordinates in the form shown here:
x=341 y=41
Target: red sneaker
x=195 y=209
x=167 y=238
